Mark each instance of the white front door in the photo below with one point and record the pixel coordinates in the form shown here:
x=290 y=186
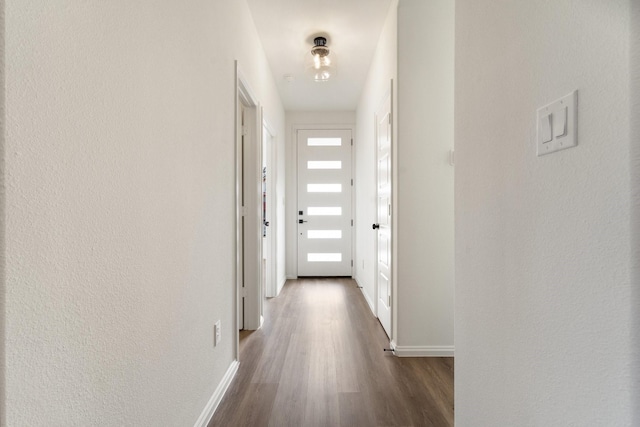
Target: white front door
x=383 y=225
x=324 y=203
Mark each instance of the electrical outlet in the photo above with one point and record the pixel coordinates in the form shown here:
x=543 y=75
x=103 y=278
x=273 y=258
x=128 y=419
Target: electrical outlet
x=216 y=334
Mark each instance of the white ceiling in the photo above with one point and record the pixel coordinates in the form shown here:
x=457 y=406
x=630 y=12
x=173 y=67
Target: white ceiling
x=287 y=29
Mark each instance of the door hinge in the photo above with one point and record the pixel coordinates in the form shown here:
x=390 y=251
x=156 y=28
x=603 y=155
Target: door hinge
x=352 y=223
x=351 y=263
x=388 y=300
x=352 y=142
x=352 y=182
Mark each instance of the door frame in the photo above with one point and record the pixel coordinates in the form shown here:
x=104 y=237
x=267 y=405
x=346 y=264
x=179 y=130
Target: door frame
x=292 y=218
x=249 y=237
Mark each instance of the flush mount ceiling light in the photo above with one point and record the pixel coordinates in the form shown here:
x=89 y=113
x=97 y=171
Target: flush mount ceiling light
x=321 y=64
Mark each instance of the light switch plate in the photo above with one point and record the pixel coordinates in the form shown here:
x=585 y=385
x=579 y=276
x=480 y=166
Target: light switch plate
x=544 y=128
x=564 y=124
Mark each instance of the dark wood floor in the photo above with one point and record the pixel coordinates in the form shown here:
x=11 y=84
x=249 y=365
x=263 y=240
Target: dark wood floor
x=318 y=361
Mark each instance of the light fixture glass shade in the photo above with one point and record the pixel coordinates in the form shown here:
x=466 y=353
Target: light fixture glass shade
x=321 y=69
x=320 y=62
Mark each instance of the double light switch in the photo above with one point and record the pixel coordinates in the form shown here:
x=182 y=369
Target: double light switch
x=557 y=125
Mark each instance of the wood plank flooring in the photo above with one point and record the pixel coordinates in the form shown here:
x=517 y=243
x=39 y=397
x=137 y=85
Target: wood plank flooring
x=318 y=361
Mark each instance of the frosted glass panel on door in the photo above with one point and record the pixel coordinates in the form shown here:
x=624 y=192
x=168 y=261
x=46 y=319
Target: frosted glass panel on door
x=328 y=257
x=324 y=234
x=324 y=188
x=324 y=142
x=325 y=211
x=328 y=164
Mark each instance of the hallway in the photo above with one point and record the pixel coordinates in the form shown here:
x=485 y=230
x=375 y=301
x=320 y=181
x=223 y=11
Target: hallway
x=318 y=361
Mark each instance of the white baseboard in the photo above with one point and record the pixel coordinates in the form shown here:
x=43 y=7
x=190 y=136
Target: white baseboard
x=366 y=296
x=218 y=394
x=422 y=351
x=281 y=285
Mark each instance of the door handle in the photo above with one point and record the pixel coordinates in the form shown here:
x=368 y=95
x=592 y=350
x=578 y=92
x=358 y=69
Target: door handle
x=300 y=221
x=375 y=226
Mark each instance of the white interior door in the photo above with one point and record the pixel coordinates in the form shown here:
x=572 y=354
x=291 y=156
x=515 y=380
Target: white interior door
x=266 y=208
x=324 y=203
x=383 y=225
x=250 y=220
x=269 y=209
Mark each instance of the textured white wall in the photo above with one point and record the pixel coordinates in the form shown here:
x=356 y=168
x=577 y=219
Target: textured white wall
x=120 y=206
x=3 y=410
x=383 y=69
x=302 y=118
x=543 y=292
x=635 y=198
x=424 y=177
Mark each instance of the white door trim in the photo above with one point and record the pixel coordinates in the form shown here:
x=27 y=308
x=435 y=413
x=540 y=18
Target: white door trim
x=394 y=209
x=292 y=213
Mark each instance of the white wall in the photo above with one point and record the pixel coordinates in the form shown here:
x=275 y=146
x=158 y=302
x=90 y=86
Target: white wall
x=3 y=281
x=635 y=199
x=383 y=69
x=293 y=120
x=120 y=206
x=424 y=272
x=543 y=303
